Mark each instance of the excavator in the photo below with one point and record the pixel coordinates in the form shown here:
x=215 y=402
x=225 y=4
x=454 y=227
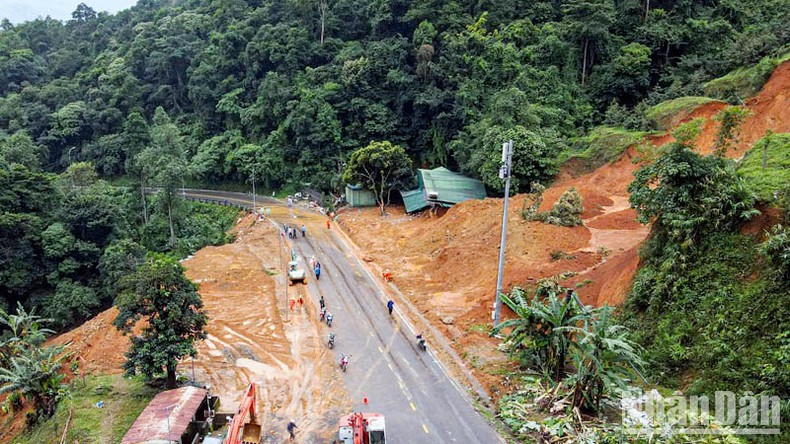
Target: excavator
x=362 y=428
x=240 y=432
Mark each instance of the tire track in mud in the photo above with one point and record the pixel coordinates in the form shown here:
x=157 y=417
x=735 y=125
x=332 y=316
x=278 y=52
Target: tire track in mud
x=360 y=289
x=361 y=305
x=248 y=341
x=358 y=297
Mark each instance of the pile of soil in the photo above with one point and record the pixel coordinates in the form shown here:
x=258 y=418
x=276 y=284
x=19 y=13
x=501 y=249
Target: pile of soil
x=447 y=265
x=251 y=338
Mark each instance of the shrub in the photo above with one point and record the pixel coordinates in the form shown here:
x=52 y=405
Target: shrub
x=566 y=211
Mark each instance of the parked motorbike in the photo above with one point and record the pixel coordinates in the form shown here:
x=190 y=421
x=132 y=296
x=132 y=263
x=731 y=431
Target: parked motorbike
x=421 y=342
x=343 y=362
x=329 y=319
x=331 y=340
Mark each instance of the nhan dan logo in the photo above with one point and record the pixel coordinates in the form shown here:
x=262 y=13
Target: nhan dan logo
x=726 y=413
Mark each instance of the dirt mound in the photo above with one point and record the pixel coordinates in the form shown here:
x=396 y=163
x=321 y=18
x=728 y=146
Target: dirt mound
x=98 y=344
x=447 y=265
x=252 y=337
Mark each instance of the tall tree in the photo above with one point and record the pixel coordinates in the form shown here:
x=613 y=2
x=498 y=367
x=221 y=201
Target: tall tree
x=168 y=303
x=589 y=22
x=380 y=167
x=165 y=162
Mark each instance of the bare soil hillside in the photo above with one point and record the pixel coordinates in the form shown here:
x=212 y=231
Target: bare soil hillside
x=447 y=265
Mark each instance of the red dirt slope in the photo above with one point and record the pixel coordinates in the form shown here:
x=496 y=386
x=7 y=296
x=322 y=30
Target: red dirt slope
x=447 y=265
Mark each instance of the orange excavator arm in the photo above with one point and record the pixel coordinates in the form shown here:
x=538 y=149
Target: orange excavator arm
x=247 y=406
x=357 y=421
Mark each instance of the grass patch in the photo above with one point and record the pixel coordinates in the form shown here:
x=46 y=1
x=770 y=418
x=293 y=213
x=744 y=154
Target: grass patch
x=744 y=82
x=668 y=114
x=123 y=398
x=766 y=167
x=601 y=146
x=559 y=254
x=479 y=328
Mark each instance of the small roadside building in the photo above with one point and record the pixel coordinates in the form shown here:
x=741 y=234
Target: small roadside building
x=441 y=187
x=357 y=196
x=173 y=416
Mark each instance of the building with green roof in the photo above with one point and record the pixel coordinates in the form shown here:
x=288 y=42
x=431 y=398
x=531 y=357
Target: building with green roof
x=441 y=187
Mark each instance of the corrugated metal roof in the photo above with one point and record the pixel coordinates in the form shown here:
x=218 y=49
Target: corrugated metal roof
x=179 y=405
x=357 y=196
x=450 y=187
x=414 y=200
x=441 y=186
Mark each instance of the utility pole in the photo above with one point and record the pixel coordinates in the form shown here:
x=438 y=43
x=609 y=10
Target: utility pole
x=504 y=173
x=253 y=192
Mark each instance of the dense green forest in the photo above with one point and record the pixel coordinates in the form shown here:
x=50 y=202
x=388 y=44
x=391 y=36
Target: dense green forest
x=67 y=240
x=294 y=86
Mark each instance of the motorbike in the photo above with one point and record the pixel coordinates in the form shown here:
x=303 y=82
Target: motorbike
x=322 y=315
x=329 y=319
x=421 y=342
x=331 y=340
x=343 y=362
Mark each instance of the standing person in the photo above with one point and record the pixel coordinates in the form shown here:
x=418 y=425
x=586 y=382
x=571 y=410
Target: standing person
x=390 y=305
x=321 y=302
x=304 y=230
x=290 y=428
x=327 y=224
x=301 y=302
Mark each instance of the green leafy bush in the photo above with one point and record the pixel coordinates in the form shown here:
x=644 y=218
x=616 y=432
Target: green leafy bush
x=28 y=369
x=688 y=196
x=569 y=344
x=719 y=318
x=566 y=212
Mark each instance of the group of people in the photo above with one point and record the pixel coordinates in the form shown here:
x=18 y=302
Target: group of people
x=292 y=233
x=299 y=301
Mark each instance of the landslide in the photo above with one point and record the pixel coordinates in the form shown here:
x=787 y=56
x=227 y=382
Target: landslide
x=446 y=265
x=249 y=340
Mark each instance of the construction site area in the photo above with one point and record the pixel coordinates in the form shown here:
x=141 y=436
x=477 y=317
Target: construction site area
x=439 y=269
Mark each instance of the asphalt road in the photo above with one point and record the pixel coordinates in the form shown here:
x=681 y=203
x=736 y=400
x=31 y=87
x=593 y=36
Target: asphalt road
x=421 y=403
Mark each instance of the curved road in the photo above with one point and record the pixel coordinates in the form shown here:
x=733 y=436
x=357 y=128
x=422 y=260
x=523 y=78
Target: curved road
x=421 y=403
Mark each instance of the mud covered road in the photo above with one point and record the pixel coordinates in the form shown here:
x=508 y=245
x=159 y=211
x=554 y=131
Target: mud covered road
x=286 y=352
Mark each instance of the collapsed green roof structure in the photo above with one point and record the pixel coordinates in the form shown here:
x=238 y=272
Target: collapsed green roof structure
x=441 y=187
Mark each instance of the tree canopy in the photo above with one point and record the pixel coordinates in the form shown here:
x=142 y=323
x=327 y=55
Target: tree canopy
x=296 y=88
x=381 y=167
x=159 y=294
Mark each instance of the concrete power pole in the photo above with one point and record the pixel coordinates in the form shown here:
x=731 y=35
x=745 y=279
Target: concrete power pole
x=504 y=173
x=253 y=192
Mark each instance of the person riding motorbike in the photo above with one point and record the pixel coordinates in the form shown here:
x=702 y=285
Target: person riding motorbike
x=421 y=342
x=329 y=319
x=343 y=361
x=331 y=339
